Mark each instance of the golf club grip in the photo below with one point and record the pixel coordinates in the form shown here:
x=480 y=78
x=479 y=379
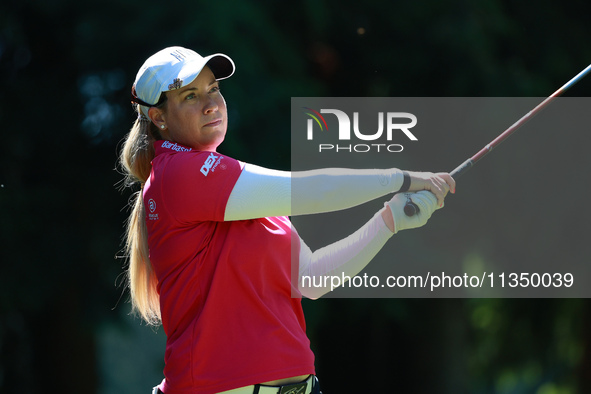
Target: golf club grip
x=411 y=209
x=462 y=169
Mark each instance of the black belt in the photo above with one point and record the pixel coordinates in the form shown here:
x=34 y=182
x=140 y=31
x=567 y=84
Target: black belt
x=295 y=388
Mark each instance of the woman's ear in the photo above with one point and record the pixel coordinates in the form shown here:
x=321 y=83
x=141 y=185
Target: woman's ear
x=157 y=117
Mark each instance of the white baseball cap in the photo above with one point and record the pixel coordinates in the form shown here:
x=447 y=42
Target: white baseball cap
x=172 y=68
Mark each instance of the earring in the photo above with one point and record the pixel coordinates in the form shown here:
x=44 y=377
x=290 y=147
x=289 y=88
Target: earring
x=162 y=126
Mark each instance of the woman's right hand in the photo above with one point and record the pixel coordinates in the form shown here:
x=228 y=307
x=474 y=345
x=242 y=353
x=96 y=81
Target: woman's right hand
x=439 y=184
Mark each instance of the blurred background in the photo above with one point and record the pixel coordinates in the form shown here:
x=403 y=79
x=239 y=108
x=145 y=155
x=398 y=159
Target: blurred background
x=66 y=69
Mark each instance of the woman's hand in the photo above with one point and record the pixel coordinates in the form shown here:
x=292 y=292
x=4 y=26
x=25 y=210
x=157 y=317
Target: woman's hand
x=395 y=218
x=438 y=184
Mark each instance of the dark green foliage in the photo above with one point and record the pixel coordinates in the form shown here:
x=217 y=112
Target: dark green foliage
x=66 y=68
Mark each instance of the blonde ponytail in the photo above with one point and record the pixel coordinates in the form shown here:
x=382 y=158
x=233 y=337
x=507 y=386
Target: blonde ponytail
x=136 y=157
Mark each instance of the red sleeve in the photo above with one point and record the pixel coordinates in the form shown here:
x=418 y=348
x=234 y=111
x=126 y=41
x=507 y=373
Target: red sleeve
x=197 y=185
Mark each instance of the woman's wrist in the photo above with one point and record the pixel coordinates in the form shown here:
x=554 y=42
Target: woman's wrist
x=388 y=218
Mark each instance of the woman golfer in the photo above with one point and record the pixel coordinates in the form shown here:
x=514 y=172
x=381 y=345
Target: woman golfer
x=210 y=245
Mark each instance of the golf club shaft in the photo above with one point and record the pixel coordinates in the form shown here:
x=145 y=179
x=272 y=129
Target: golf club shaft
x=410 y=209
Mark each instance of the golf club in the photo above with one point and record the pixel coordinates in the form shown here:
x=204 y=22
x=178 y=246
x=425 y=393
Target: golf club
x=411 y=208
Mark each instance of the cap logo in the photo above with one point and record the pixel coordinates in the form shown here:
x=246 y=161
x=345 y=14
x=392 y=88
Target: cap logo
x=178 y=55
x=177 y=83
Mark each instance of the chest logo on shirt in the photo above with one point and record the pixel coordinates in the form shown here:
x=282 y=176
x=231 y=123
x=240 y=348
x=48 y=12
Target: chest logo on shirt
x=210 y=164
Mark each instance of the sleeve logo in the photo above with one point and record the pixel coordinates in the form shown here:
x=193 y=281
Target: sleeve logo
x=210 y=164
x=152 y=207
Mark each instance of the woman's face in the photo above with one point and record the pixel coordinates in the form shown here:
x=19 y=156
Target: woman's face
x=195 y=115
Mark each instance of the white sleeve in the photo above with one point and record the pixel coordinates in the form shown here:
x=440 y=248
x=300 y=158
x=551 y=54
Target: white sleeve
x=345 y=257
x=261 y=192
